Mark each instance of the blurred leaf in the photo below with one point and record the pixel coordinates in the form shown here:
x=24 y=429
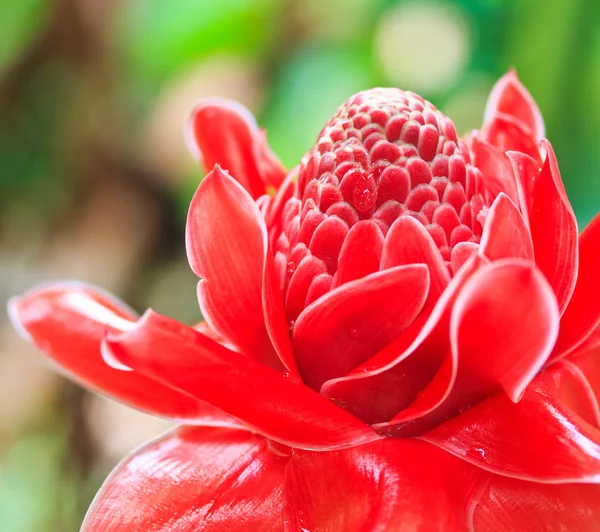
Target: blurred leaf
x=20 y=20
x=313 y=84
x=160 y=37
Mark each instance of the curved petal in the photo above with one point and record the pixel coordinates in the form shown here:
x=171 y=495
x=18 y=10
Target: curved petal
x=509 y=504
x=390 y=380
x=505 y=234
x=495 y=167
x=194 y=479
x=226 y=240
x=526 y=171
x=582 y=315
x=506 y=133
x=393 y=484
x=348 y=325
x=587 y=359
x=360 y=253
x=549 y=436
x=554 y=230
x=265 y=400
x=503 y=326
x=68 y=322
x=222 y=132
x=408 y=242
x=510 y=97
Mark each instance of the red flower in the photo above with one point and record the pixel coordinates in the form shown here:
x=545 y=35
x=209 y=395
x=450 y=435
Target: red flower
x=403 y=333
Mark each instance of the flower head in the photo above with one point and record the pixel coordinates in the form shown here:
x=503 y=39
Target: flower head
x=402 y=331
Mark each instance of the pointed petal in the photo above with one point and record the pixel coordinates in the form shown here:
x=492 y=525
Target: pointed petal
x=390 y=380
x=505 y=234
x=225 y=133
x=554 y=230
x=582 y=315
x=226 y=239
x=526 y=171
x=408 y=242
x=507 y=133
x=503 y=326
x=348 y=325
x=360 y=253
x=510 y=97
x=495 y=167
x=68 y=322
x=393 y=484
x=194 y=479
x=549 y=436
x=509 y=504
x=264 y=399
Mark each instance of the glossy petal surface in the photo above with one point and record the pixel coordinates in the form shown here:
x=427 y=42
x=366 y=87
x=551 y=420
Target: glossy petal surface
x=509 y=504
x=225 y=133
x=550 y=435
x=505 y=234
x=348 y=325
x=554 y=231
x=226 y=238
x=264 y=399
x=510 y=97
x=387 y=485
x=582 y=315
x=68 y=322
x=193 y=479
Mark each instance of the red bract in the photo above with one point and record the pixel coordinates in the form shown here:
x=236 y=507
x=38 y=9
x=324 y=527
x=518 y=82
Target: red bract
x=402 y=332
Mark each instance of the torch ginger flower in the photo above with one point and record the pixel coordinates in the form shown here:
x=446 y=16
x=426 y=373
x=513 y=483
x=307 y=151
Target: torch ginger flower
x=401 y=333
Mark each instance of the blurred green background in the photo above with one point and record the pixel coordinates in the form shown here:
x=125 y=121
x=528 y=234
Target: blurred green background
x=95 y=177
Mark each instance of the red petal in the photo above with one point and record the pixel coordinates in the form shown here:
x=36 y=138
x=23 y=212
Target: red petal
x=389 y=381
x=360 y=253
x=587 y=359
x=526 y=172
x=549 y=436
x=503 y=326
x=510 y=97
x=496 y=169
x=505 y=234
x=225 y=133
x=267 y=401
x=348 y=325
x=194 y=479
x=393 y=484
x=507 y=133
x=226 y=239
x=582 y=315
x=509 y=504
x=68 y=322
x=408 y=242
x=554 y=230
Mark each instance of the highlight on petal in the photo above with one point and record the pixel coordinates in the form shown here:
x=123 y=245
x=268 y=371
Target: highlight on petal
x=222 y=132
x=345 y=327
x=551 y=435
x=554 y=230
x=502 y=328
x=68 y=322
x=510 y=97
x=505 y=234
x=390 y=381
x=265 y=400
x=392 y=484
x=408 y=242
x=509 y=504
x=582 y=315
x=226 y=241
x=496 y=169
x=527 y=171
x=194 y=479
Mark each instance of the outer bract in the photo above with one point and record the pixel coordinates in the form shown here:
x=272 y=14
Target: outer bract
x=402 y=333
